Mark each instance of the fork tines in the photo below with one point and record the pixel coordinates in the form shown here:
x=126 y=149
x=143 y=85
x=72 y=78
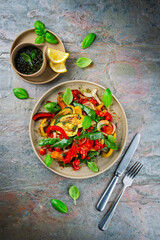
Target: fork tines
x=132 y=172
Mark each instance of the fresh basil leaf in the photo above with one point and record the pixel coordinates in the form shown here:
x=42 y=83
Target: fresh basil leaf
x=111 y=138
x=26 y=58
x=48 y=141
x=33 y=54
x=39 y=39
x=86 y=123
x=48 y=160
x=59 y=205
x=110 y=145
x=52 y=107
x=93 y=166
x=74 y=193
x=40 y=27
x=68 y=96
x=20 y=93
x=63 y=143
x=91 y=136
x=39 y=32
x=93 y=154
x=50 y=38
x=107 y=97
x=83 y=62
x=87 y=41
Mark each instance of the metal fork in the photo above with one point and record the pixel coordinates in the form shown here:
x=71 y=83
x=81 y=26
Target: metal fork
x=127 y=181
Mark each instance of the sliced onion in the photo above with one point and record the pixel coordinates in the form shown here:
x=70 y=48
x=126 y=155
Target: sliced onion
x=100 y=123
x=54 y=134
x=94 y=94
x=86 y=94
x=114 y=128
x=90 y=105
x=93 y=123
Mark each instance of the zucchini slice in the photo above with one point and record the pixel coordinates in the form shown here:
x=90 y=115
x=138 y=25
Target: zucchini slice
x=75 y=119
x=70 y=129
x=64 y=111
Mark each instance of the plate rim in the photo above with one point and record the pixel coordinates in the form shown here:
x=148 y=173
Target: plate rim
x=94 y=174
x=11 y=50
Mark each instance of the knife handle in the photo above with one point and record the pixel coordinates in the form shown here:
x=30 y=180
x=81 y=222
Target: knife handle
x=106 y=195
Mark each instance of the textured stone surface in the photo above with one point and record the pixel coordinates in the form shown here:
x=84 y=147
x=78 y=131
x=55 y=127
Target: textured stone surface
x=126 y=56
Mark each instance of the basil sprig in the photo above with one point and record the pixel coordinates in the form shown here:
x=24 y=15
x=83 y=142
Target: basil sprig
x=33 y=54
x=48 y=160
x=21 y=93
x=43 y=35
x=52 y=107
x=107 y=97
x=86 y=123
x=68 y=96
x=93 y=167
x=59 y=205
x=83 y=62
x=74 y=193
x=87 y=41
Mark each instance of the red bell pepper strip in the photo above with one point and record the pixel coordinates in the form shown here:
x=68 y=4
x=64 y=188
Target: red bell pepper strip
x=56 y=128
x=42 y=115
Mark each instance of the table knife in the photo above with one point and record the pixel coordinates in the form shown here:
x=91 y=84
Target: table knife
x=121 y=168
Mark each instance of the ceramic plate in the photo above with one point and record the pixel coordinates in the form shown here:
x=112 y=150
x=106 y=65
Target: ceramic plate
x=29 y=36
x=103 y=163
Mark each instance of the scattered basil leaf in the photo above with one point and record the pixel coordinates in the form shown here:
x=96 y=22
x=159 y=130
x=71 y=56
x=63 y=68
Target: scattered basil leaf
x=59 y=205
x=91 y=136
x=26 y=58
x=68 y=96
x=110 y=145
x=107 y=97
x=39 y=39
x=50 y=38
x=93 y=166
x=63 y=143
x=111 y=138
x=86 y=123
x=87 y=41
x=47 y=141
x=33 y=54
x=52 y=107
x=40 y=27
x=48 y=160
x=74 y=193
x=83 y=62
x=20 y=93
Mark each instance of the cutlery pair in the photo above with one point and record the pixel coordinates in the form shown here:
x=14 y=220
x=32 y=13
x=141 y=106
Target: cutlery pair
x=127 y=181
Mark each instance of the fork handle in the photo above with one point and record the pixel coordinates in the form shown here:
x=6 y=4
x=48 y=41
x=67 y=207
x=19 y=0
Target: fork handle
x=106 y=195
x=104 y=223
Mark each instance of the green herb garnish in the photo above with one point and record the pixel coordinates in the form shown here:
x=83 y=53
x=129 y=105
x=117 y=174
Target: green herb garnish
x=26 y=58
x=107 y=97
x=59 y=205
x=52 y=107
x=43 y=35
x=87 y=41
x=92 y=166
x=21 y=93
x=74 y=193
x=48 y=160
x=86 y=123
x=83 y=62
x=68 y=96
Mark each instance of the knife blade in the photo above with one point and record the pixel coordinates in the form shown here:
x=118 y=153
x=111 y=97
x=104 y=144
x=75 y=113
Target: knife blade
x=121 y=168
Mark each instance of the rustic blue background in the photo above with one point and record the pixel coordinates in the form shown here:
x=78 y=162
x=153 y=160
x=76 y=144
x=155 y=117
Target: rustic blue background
x=126 y=56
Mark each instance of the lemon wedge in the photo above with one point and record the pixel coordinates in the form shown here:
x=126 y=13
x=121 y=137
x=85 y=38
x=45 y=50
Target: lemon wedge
x=58 y=67
x=57 y=56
